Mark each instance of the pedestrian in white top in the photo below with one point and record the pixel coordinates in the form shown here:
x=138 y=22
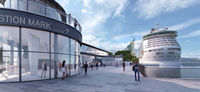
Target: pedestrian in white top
x=64 y=69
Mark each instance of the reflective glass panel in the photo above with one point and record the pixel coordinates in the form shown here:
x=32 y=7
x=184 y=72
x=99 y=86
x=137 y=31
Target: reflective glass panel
x=23 y=5
x=51 y=12
x=9 y=38
x=14 y=4
x=63 y=44
x=35 y=66
x=35 y=40
x=36 y=8
x=73 y=45
x=9 y=66
x=54 y=42
x=73 y=65
x=5 y=3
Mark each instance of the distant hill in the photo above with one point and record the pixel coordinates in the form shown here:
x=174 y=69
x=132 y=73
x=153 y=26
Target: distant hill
x=190 y=60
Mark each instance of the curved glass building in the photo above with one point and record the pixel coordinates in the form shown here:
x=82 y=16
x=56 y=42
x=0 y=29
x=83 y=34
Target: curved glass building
x=33 y=32
x=36 y=36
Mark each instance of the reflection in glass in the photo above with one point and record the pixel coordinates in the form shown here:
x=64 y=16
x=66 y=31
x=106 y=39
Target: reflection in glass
x=72 y=46
x=23 y=5
x=5 y=3
x=54 y=41
x=36 y=8
x=35 y=40
x=35 y=67
x=9 y=38
x=14 y=4
x=63 y=44
x=73 y=65
x=55 y=67
x=51 y=12
x=61 y=16
x=9 y=66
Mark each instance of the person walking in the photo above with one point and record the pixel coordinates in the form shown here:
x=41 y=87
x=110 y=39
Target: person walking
x=97 y=66
x=44 y=69
x=137 y=70
x=75 y=67
x=123 y=65
x=64 y=69
x=91 y=66
x=86 y=66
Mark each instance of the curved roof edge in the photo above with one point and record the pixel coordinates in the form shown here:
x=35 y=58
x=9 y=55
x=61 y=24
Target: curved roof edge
x=94 y=47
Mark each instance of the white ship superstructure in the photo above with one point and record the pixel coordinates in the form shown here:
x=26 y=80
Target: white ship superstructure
x=160 y=47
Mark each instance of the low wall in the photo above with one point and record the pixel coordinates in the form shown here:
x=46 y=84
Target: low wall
x=142 y=70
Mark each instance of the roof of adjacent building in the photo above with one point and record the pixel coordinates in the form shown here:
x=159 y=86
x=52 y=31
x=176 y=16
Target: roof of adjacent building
x=94 y=47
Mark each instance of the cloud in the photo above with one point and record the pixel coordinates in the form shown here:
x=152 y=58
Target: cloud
x=188 y=41
x=92 y=22
x=177 y=27
x=131 y=34
x=92 y=40
x=151 y=8
x=84 y=11
x=86 y=2
x=191 y=34
x=185 y=24
x=119 y=9
x=108 y=45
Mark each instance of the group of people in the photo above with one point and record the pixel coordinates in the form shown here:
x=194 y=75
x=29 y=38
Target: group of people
x=86 y=66
x=135 y=68
x=75 y=21
x=63 y=67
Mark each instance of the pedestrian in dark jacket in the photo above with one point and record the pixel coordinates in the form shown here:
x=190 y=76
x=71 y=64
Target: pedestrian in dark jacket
x=86 y=66
x=137 y=71
x=44 y=69
x=123 y=65
x=91 y=66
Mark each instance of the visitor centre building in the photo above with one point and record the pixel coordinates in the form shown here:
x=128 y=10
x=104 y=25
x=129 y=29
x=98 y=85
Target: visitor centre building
x=36 y=31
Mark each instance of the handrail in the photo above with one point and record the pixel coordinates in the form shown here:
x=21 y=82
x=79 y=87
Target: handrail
x=59 y=15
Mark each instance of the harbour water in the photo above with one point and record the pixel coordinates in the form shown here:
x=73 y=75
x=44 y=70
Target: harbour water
x=190 y=65
x=187 y=70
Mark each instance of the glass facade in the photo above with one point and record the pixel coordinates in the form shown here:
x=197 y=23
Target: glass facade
x=30 y=54
x=39 y=53
x=95 y=55
x=41 y=7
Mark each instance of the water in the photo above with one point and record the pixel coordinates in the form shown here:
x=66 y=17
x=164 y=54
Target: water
x=187 y=70
x=190 y=65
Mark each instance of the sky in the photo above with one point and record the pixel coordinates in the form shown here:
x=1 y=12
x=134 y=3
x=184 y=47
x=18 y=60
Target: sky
x=110 y=24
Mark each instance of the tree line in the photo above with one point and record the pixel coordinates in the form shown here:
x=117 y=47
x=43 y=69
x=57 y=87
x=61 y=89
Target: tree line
x=126 y=56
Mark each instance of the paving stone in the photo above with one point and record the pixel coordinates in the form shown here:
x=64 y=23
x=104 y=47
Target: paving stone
x=109 y=79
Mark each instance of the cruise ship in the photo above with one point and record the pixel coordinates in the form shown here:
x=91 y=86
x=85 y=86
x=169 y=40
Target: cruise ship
x=160 y=48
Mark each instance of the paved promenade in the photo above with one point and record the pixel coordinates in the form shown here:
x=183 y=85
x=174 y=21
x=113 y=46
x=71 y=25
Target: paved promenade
x=108 y=79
